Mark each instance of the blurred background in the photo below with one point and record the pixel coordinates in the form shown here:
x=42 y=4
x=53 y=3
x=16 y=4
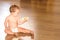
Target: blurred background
x=44 y=17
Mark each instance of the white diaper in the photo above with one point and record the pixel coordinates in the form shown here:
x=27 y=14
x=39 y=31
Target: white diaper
x=14 y=29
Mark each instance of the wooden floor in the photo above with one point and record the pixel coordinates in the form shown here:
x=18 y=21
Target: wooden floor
x=46 y=15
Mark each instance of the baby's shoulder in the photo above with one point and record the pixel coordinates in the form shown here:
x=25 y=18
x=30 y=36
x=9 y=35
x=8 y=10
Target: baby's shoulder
x=7 y=18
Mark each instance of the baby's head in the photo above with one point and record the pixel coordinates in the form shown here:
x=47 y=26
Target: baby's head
x=14 y=9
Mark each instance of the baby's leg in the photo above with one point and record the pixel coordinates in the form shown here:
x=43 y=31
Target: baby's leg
x=9 y=37
x=8 y=31
x=24 y=30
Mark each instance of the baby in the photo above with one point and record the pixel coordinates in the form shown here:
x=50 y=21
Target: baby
x=13 y=20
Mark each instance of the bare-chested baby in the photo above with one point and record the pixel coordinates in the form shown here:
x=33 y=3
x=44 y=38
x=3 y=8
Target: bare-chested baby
x=13 y=20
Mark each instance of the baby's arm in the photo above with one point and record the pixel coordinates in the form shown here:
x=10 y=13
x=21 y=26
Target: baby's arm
x=23 y=20
x=5 y=23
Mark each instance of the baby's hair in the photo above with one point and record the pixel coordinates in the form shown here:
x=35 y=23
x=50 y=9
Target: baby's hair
x=13 y=7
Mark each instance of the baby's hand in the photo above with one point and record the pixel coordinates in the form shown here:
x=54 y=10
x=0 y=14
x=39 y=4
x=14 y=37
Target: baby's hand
x=25 y=18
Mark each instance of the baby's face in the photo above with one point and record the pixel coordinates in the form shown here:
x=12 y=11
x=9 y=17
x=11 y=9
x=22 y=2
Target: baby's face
x=16 y=12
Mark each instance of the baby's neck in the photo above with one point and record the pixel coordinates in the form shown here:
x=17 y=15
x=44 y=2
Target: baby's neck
x=13 y=15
